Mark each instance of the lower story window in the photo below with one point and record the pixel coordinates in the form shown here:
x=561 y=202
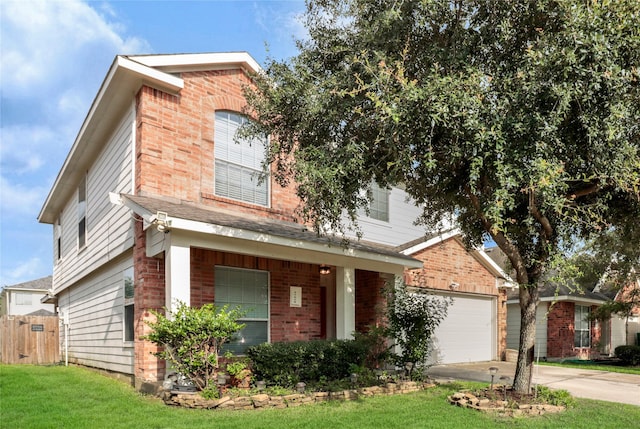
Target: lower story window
x=249 y=290
x=128 y=330
x=582 y=335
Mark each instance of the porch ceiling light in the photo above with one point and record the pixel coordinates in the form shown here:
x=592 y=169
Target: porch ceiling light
x=325 y=269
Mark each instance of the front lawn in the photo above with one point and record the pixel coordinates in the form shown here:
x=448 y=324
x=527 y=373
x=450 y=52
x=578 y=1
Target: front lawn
x=73 y=397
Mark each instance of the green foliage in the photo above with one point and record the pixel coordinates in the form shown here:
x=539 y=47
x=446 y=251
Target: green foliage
x=210 y=392
x=629 y=355
x=286 y=364
x=558 y=397
x=192 y=337
x=520 y=117
x=413 y=318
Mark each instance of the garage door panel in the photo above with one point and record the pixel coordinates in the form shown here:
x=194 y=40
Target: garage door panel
x=468 y=332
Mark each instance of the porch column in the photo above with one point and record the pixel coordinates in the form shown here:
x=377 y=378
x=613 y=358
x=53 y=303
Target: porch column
x=177 y=275
x=345 y=302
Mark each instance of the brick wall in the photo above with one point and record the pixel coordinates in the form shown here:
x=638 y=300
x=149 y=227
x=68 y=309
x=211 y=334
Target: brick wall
x=449 y=262
x=287 y=323
x=149 y=294
x=370 y=302
x=175 y=143
x=561 y=330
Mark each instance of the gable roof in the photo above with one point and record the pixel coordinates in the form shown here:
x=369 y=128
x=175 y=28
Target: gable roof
x=430 y=240
x=42 y=284
x=214 y=221
x=125 y=77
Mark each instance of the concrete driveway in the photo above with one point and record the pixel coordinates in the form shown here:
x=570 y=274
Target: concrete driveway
x=581 y=383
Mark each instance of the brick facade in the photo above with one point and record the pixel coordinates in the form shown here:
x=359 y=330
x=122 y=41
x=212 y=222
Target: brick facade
x=561 y=330
x=175 y=143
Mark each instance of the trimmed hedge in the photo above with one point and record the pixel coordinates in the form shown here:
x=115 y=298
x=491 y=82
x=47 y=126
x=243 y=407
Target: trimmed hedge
x=286 y=364
x=629 y=355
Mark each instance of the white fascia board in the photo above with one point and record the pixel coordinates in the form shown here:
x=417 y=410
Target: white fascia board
x=431 y=242
x=123 y=80
x=206 y=61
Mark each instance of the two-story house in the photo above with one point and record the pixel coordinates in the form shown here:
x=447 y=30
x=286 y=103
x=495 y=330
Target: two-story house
x=156 y=203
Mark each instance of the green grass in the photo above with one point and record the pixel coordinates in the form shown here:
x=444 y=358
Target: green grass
x=595 y=366
x=72 y=397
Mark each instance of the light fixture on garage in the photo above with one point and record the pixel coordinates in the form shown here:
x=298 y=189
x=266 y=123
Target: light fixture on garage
x=454 y=285
x=325 y=269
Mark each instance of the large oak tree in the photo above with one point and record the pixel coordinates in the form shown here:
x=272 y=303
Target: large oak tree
x=521 y=118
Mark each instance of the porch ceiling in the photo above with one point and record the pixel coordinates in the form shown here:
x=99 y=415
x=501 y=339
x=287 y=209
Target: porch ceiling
x=270 y=233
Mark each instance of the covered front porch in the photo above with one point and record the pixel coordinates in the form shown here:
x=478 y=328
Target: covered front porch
x=294 y=284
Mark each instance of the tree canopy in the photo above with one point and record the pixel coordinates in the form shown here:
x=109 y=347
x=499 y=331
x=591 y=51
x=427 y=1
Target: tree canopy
x=520 y=118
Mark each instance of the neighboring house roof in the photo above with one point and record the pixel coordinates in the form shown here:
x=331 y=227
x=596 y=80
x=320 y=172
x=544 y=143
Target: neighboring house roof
x=41 y=312
x=43 y=284
x=552 y=292
x=213 y=221
x=125 y=77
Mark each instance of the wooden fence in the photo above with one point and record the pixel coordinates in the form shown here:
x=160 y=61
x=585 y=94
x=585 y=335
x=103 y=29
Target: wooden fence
x=30 y=339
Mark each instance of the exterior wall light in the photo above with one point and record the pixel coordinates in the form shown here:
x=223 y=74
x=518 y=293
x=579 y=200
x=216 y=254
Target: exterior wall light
x=325 y=269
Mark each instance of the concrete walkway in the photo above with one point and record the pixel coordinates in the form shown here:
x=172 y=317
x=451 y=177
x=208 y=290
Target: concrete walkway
x=581 y=383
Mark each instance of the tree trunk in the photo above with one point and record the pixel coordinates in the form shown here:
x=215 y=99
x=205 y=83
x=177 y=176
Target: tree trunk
x=524 y=365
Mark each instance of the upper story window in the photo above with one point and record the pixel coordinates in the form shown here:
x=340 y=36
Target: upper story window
x=22 y=298
x=82 y=213
x=238 y=166
x=379 y=204
x=57 y=233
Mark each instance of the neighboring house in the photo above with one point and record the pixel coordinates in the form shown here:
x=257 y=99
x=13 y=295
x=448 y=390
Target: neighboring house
x=620 y=330
x=24 y=299
x=562 y=326
x=156 y=204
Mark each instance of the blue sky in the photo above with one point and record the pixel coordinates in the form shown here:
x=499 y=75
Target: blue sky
x=54 y=55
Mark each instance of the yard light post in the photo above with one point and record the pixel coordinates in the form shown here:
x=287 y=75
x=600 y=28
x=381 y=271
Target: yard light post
x=222 y=380
x=354 y=379
x=493 y=371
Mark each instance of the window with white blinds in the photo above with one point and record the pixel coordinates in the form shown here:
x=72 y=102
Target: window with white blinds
x=379 y=204
x=249 y=290
x=238 y=165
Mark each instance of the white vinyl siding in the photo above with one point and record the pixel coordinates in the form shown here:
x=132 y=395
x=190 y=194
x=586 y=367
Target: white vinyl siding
x=96 y=315
x=400 y=228
x=238 y=166
x=249 y=290
x=110 y=227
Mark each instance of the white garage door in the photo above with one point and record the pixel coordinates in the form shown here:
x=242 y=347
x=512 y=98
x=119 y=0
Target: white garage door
x=468 y=333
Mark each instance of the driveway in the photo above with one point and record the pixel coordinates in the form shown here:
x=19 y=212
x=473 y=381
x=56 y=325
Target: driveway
x=581 y=383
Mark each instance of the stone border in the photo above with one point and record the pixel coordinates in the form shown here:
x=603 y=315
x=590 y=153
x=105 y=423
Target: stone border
x=261 y=401
x=469 y=400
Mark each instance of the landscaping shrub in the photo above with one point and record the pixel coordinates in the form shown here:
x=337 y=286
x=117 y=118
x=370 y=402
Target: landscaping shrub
x=629 y=355
x=191 y=339
x=286 y=364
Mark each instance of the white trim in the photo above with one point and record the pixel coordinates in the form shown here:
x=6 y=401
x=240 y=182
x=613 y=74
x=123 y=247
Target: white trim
x=430 y=242
x=206 y=61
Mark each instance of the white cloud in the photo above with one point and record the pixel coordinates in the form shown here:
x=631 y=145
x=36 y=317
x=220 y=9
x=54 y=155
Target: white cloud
x=21 y=200
x=54 y=55
x=45 y=42
x=25 y=271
